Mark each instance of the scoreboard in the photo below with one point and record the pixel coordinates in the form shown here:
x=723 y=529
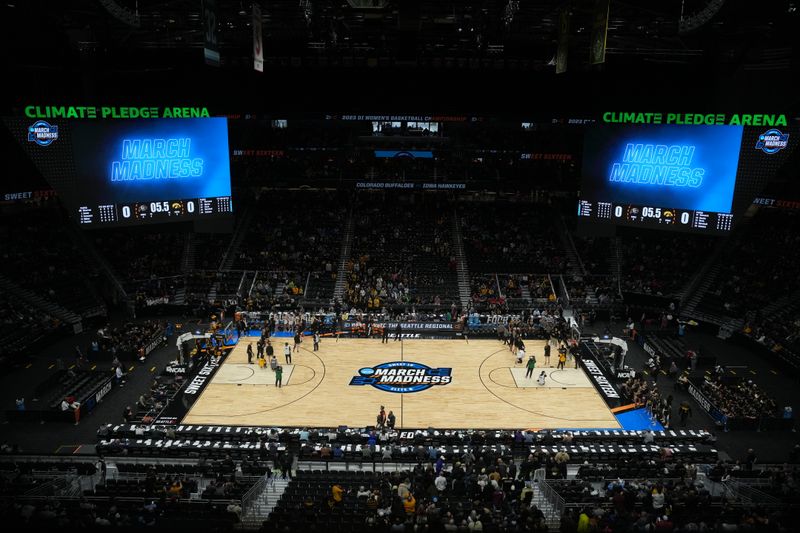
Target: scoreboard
x=655 y=217
x=155 y=211
x=148 y=171
x=133 y=171
x=665 y=176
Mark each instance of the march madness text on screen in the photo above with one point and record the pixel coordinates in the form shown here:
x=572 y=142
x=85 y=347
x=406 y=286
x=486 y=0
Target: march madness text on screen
x=146 y=159
x=657 y=164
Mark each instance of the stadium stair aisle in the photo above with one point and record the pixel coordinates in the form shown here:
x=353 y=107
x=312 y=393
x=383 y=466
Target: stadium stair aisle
x=264 y=503
x=462 y=268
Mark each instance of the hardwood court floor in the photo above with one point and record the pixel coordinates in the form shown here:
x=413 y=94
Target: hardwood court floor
x=483 y=392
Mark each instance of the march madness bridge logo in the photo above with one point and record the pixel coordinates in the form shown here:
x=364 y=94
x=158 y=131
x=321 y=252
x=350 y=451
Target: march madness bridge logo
x=402 y=377
x=42 y=133
x=772 y=141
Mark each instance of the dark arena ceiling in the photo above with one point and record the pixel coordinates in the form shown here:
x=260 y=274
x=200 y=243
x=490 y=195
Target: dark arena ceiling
x=153 y=39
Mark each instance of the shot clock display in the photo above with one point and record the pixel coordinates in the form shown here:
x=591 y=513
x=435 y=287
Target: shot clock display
x=144 y=171
x=670 y=177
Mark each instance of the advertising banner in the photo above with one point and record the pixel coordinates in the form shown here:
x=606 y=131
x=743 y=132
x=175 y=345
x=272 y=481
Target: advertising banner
x=210 y=45
x=258 y=51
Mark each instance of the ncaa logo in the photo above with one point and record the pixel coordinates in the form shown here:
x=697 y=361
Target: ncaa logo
x=402 y=377
x=772 y=141
x=42 y=133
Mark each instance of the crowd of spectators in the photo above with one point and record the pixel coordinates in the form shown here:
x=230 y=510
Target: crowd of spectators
x=473 y=493
x=148 y=262
x=661 y=264
x=401 y=255
x=639 y=505
x=277 y=288
x=784 y=481
x=539 y=287
x=545 y=323
x=153 y=500
x=153 y=485
x=129 y=339
x=780 y=332
x=512 y=238
x=758 y=266
x=293 y=233
x=209 y=249
x=149 y=404
x=40 y=255
x=484 y=291
x=21 y=325
x=738 y=398
x=595 y=253
x=645 y=393
x=511 y=285
x=590 y=290
x=198 y=285
x=512 y=291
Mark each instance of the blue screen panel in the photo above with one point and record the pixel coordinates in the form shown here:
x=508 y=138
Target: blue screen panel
x=411 y=154
x=685 y=167
x=151 y=160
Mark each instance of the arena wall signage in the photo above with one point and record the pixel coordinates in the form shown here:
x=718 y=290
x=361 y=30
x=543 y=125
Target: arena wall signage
x=412 y=118
x=175 y=369
x=777 y=203
x=408 y=185
x=22 y=196
x=106 y=112
x=625 y=374
x=706 y=404
x=649 y=349
x=204 y=375
x=105 y=389
x=707 y=119
x=406 y=326
x=536 y=156
x=600 y=381
x=402 y=377
x=156 y=341
x=97 y=396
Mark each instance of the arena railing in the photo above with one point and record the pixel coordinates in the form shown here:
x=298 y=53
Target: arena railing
x=346 y=465
x=60 y=486
x=746 y=494
x=548 y=500
x=251 y=496
x=136 y=499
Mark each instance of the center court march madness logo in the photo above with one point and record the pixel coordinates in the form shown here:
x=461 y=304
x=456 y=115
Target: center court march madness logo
x=42 y=133
x=772 y=141
x=402 y=377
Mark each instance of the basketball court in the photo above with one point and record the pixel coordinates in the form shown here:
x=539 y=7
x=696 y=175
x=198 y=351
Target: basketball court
x=455 y=384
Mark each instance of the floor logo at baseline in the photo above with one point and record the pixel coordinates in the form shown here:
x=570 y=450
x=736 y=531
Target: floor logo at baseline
x=402 y=376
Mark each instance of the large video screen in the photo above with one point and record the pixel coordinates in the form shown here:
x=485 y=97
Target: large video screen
x=117 y=172
x=151 y=170
x=669 y=176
